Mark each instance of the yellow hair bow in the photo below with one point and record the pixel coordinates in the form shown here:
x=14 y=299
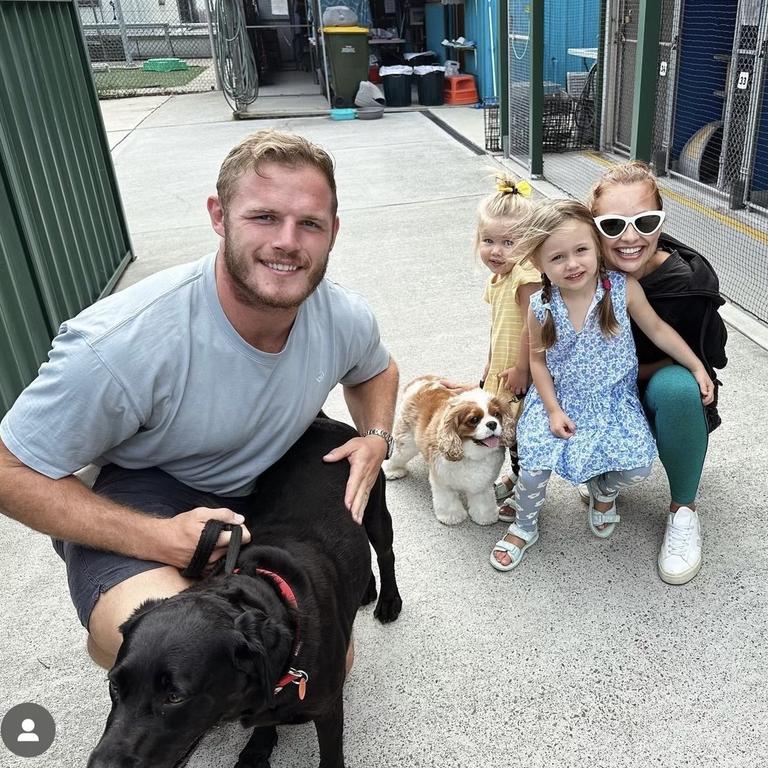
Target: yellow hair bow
x=522 y=187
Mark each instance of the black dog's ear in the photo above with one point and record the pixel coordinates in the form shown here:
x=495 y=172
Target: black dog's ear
x=256 y=651
x=144 y=608
x=259 y=632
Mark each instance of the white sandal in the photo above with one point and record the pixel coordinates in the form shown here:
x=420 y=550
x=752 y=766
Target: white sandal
x=515 y=553
x=507 y=513
x=609 y=518
x=501 y=491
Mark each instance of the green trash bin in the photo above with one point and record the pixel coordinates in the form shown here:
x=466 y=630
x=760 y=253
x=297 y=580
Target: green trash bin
x=347 y=51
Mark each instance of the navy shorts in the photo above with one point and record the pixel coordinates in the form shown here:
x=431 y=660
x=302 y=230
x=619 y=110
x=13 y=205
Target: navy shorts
x=91 y=572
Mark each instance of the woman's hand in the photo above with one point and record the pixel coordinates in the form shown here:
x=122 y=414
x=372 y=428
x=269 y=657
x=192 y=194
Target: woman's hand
x=706 y=385
x=560 y=425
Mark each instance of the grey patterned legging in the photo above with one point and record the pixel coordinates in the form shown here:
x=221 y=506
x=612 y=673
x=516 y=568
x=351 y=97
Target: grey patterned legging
x=531 y=490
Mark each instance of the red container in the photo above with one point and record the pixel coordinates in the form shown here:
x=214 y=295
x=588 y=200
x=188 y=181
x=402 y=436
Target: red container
x=373 y=74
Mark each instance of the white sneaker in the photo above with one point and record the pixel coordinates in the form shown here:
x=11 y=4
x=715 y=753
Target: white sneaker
x=680 y=555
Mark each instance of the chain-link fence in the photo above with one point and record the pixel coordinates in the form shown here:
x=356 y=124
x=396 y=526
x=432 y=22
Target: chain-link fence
x=142 y=47
x=570 y=82
x=711 y=146
x=571 y=36
x=710 y=123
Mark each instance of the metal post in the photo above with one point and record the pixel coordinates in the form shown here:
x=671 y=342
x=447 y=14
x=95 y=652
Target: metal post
x=214 y=55
x=755 y=109
x=325 y=67
x=168 y=40
x=602 y=55
x=493 y=50
x=536 y=117
x=503 y=38
x=644 y=102
x=123 y=33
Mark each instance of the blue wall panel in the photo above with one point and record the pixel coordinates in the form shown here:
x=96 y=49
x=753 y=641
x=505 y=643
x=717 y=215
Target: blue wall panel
x=569 y=24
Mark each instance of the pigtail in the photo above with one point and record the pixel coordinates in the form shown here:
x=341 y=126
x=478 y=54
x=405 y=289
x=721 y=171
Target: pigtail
x=548 y=330
x=608 y=323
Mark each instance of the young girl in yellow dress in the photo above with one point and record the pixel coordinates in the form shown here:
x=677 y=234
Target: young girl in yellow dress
x=508 y=290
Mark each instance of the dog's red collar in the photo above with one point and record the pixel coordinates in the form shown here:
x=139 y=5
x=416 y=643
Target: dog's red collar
x=282 y=585
x=296 y=676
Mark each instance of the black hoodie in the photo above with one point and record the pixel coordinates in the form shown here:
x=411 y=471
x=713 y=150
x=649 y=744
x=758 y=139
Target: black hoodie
x=685 y=292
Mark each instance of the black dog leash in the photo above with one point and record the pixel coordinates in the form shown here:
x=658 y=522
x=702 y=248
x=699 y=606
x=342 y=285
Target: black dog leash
x=206 y=545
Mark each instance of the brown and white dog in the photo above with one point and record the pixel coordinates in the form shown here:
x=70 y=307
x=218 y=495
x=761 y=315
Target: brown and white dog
x=462 y=438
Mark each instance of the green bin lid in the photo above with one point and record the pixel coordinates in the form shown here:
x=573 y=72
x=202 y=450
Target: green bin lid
x=345 y=30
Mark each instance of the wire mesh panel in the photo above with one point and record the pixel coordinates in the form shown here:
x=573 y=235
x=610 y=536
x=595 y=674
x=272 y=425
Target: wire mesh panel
x=666 y=69
x=571 y=35
x=718 y=141
x=492 y=125
x=141 y=47
x=710 y=132
x=519 y=33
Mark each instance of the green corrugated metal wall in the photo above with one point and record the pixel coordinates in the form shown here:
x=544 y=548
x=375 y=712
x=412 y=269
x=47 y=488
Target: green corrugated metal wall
x=63 y=237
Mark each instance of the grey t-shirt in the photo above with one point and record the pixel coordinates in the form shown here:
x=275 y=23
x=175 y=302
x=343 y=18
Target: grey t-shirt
x=155 y=375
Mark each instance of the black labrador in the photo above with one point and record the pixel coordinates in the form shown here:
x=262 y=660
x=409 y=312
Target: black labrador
x=265 y=645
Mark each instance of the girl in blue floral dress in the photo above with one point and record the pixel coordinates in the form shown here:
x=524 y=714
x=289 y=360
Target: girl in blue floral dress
x=582 y=418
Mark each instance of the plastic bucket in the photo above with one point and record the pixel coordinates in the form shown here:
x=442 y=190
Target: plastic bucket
x=397 y=90
x=430 y=88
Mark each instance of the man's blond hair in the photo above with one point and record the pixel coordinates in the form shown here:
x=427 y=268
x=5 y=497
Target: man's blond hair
x=270 y=146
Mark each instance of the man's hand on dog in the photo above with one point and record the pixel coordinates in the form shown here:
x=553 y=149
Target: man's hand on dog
x=183 y=532
x=365 y=456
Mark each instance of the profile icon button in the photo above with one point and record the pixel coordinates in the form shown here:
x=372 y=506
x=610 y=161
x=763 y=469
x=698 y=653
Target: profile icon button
x=28 y=730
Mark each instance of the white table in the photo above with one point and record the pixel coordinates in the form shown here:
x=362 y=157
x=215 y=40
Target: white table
x=584 y=53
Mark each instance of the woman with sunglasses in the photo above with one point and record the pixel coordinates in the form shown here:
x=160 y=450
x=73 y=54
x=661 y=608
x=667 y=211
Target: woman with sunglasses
x=683 y=289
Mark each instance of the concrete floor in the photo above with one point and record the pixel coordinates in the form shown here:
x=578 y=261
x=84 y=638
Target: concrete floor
x=581 y=657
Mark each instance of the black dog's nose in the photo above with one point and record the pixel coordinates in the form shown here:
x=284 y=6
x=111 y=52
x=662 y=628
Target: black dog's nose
x=492 y=424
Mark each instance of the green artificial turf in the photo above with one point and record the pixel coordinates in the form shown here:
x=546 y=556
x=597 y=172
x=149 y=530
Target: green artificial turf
x=125 y=79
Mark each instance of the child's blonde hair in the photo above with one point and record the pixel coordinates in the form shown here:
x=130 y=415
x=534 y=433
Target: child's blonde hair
x=635 y=172
x=510 y=201
x=537 y=228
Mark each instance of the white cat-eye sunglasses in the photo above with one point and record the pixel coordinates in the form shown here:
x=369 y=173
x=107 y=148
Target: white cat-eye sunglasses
x=612 y=225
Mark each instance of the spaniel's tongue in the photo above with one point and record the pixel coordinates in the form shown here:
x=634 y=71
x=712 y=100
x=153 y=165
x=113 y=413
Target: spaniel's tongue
x=491 y=442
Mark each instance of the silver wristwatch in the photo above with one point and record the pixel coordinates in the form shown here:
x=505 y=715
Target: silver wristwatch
x=383 y=433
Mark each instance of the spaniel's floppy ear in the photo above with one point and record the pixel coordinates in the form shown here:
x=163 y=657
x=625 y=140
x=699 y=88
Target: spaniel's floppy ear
x=448 y=440
x=508 y=422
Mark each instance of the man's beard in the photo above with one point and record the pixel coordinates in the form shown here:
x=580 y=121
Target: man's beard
x=238 y=271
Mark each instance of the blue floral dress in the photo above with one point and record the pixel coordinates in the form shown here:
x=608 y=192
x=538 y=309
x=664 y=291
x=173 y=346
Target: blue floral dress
x=596 y=384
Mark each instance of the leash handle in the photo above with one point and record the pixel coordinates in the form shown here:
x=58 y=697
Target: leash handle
x=233 y=550
x=206 y=544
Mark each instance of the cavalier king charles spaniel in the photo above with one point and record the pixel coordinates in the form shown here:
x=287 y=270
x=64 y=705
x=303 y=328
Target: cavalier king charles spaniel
x=462 y=438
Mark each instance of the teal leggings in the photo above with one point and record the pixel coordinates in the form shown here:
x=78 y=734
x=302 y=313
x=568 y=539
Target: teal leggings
x=672 y=403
